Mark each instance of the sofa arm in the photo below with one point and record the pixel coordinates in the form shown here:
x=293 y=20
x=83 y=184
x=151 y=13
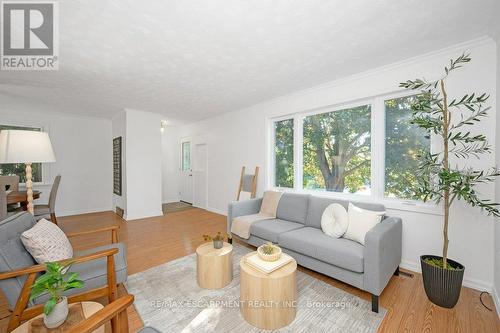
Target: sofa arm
x=241 y=208
x=382 y=254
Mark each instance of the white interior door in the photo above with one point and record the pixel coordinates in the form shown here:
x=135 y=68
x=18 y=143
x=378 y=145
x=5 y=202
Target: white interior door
x=200 y=176
x=186 y=187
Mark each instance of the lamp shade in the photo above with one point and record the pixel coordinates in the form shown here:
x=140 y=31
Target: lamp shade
x=25 y=147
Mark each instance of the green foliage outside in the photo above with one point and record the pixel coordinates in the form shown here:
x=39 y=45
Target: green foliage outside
x=56 y=280
x=283 y=153
x=405 y=143
x=19 y=168
x=337 y=150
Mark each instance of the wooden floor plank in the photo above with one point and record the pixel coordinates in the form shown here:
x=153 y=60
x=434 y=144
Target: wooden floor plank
x=154 y=241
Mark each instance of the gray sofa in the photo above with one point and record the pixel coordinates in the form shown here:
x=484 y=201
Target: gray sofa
x=14 y=256
x=297 y=230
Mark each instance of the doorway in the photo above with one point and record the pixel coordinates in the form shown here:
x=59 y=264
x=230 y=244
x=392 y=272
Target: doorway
x=200 y=176
x=186 y=186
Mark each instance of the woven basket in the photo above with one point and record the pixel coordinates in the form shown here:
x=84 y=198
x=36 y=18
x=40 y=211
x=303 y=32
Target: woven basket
x=269 y=257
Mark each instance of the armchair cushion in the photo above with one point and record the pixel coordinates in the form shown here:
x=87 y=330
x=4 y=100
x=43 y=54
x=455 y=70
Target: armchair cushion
x=13 y=255
x=47 y=242
x=94 y=273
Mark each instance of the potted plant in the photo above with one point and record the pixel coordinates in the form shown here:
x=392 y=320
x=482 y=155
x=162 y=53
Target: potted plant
x=56 y=280
x=269 y=252
x=218 y=240
x=443 y=182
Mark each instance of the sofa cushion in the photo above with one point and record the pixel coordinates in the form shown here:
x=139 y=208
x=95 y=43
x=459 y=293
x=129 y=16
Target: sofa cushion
x=271 y=229
x=314 y=243
x=293 y=207
x=318 y=204
x=94 y=272
x=13 y=255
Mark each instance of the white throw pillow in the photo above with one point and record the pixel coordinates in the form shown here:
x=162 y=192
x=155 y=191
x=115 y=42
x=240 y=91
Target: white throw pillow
x=360 y=222
x=47 y=242
x=334 y=220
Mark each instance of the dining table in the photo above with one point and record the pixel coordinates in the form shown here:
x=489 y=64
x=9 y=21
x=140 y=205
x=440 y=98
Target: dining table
x=21 y=197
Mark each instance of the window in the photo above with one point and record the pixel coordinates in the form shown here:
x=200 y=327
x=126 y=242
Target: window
x=283 y=153
x=404 y=143
x=19 y=168
x=369 y=149
x=186 y=156
x=336 y=151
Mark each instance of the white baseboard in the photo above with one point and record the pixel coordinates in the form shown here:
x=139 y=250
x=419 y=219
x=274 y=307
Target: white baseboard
x=468 y=282
x=170 y=200
x=83 y=211
x=216 y=211
x=135 y=218
x=496 y=300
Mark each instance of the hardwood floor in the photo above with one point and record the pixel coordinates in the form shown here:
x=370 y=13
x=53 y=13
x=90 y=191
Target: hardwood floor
x=154 y=241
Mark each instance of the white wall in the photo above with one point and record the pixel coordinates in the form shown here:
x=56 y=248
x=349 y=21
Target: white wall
x=496 y=290
x=240 y=138
x=170 y=164
x=83 y=152
x=142 y=163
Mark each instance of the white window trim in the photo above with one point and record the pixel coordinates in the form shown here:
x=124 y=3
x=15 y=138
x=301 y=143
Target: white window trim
x=377 y=160
x=46 y=168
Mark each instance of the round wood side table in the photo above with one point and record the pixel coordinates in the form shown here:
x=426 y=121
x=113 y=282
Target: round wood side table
x=214 y=266
x=268 y=301
x=89 y=308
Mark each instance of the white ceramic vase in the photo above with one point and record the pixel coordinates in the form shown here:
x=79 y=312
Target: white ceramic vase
x=58 y=316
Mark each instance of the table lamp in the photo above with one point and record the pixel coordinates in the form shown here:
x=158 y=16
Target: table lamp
x=26 y=147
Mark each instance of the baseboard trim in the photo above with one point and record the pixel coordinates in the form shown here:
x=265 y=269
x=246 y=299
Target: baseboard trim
x=216 y=211
x=83 y=211
x=137 y=218
x=170 y=200
x=468 y=282
x=496 y=300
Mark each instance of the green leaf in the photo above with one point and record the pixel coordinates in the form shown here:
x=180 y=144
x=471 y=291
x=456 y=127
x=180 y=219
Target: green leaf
x=49 y=306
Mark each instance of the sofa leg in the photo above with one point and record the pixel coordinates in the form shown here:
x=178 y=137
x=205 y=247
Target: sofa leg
x=397 y=271
x=375 y=303
x=230 y=239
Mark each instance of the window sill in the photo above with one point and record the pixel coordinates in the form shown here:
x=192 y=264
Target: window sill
x=391 y=204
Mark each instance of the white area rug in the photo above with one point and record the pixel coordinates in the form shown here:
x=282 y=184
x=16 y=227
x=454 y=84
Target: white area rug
x=168 y=298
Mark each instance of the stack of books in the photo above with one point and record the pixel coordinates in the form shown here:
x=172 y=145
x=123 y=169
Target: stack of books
x=268 y=266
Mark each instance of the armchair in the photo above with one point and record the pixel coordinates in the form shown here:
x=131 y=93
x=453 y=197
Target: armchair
x=101 y=268
x=116 y=310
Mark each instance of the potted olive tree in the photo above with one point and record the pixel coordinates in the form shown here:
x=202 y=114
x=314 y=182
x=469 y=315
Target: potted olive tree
x=443 y=182
x=54 y=282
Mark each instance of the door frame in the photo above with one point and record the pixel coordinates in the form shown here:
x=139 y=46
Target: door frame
x=195 y=144
x=181 y=171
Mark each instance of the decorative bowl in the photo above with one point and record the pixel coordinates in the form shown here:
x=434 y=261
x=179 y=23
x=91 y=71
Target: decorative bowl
x=269 y=257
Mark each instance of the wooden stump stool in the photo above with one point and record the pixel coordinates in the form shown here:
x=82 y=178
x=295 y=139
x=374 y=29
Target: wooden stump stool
x=268 y=301
x=214 y=266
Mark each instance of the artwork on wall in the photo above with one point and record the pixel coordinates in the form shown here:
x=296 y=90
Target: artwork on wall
x=117 y=166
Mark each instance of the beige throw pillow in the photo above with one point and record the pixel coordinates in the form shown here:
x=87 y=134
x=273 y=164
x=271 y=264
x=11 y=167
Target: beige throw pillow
x=47 y=242
x=335 y=220
x=360 y=222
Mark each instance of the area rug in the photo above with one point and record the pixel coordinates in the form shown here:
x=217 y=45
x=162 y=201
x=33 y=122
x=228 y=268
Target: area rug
x=168 y=298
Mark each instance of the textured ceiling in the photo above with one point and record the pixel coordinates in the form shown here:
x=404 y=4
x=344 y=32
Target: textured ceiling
x=190 y=60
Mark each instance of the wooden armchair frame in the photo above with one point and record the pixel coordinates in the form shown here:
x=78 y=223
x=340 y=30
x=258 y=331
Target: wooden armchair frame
x=116 y=310
x=22 y=313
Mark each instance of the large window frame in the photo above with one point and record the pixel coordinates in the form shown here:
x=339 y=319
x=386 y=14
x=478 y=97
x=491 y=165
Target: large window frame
x=378 y=135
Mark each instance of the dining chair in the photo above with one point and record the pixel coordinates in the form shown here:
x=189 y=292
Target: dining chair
x=50 y=208
x=12 y=182
x=3 y=203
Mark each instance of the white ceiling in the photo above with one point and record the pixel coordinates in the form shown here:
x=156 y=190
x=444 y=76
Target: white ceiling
x=190 y=60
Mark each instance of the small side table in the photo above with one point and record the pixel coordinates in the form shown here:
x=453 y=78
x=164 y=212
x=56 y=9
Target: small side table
x=268 y=301
x=214 y=266
x=89 y=308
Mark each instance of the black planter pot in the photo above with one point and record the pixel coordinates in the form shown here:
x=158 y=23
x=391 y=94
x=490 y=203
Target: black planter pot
x=442 y=286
